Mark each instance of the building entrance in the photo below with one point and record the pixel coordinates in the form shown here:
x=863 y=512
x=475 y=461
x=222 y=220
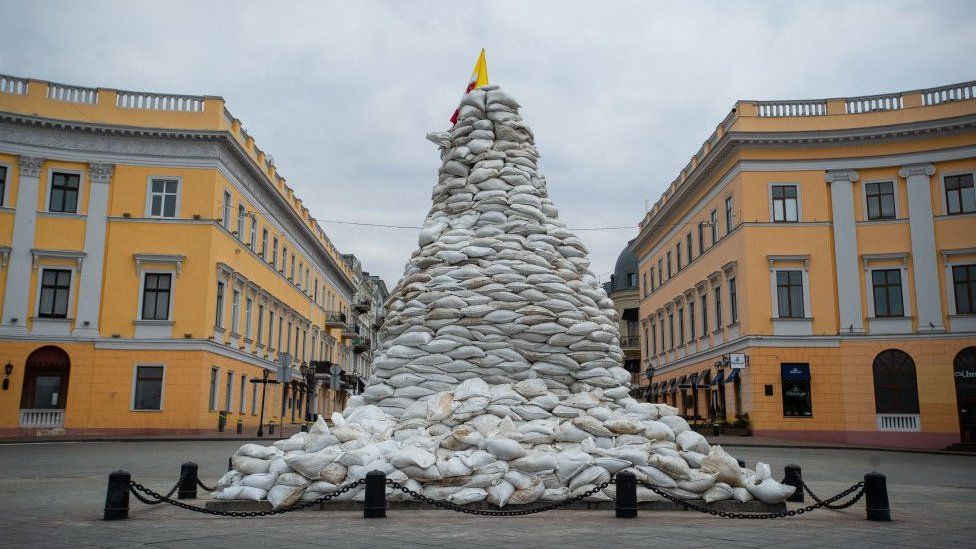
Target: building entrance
x=964 y=368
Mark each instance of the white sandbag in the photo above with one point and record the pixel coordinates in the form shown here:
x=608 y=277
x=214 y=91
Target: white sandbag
x=726 y=467
x=528 y=493
x=762 y=472
x=295 y=442
x=474 y=387
x=334 y=473
x=591 y=475
x=531 y=388
x=692 y=441
x=241 y=492
x=592 y=425
x=740 y=493
x=228 y=479
x=657 y=477
x=697 y=481
x=624 y=426
x=316 y=442
x=769 y=490
x=676 y=468
x=720 y=491
x=311 y=465
x=677 y=424
x=694 y=459
x=257 y=451
x=504 y=448
x=321 y=486
x=535 y=462
x=411 y=455
x=500 y=493
x=250 y=465
x=282 y=496
x=264 y=481
x=466 y=496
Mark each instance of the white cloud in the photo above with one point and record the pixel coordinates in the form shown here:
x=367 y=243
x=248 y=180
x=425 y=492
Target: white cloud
x=620 y=94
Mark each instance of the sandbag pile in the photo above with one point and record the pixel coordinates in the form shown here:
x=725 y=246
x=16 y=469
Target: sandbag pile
x=499 y=373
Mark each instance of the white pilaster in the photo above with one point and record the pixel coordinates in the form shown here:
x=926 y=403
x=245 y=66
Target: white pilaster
x=15 y=306
x=90 y=291
x=924 y=260
x=845 y=250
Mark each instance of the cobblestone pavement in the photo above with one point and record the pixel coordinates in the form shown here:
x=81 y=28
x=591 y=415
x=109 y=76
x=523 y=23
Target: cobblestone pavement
x=54 y=494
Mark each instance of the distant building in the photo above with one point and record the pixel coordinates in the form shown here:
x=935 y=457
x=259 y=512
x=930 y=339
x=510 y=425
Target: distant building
x=622 y=289
x=153 y=263
x=830 y=244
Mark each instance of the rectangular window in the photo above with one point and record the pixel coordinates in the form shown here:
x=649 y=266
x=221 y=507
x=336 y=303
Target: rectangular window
x=880 y=197
x=241 y=215
x=960 y=194
x=701 y=238
x=260 y=324
x=691 y=254
x=248 y=305
x=660 y=271
x=713 y=217
x=229 y=392
x=3 y=185
x=704 y=311
x=281 y=324
x=733 y=302
x=225 y=211
x=789 y=294
x=681 y=326
x=796 y=390
x=292 y=275
x=156 y=295
x=887 y=292
x=677 y=251
x=669 y=266
x=964 y=284
x=55 y=289
x=691 y=320
x=64 y=192
x=242 y=404
x=653 y=339
x=718 y=308
x=288 y=339
x=264 y=244
x=235 y=312
x=315 y=290
x=274 y=254
x=728 y=215
x=284 y=258
x=213 y=389
x=785 y=207
x=254 y=399
x=147 y=394
x=162 y=197
x=661 y=324
x=219 y=320
x=644 y=282
x=670 y=330
x=271 y=317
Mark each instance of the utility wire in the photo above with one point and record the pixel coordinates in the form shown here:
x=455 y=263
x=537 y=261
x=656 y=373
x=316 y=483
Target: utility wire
x=363 y=224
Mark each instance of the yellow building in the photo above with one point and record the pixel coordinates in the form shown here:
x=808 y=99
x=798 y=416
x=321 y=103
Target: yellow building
x=154 y=263
x=829 y=247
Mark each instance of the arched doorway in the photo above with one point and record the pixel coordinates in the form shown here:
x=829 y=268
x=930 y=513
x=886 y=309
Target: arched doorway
x=44 y=394
x=964 y=370
x=896 y=391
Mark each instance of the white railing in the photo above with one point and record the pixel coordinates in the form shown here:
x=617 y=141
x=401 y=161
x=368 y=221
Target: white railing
x=769 y=109
x=72 y=94
x=871 y=103
x=952 y=92
x=159 y=102
x=41 y=419
x=12 y=84
x=899 y=422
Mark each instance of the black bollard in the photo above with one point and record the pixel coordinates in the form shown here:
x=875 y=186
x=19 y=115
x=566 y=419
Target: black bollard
x=230 y=464
x=188 y=481
x=742 y=463
x=117 y=496
x=792 y=477
x=626 y=495
x=876 y=497
x=240 y=427
x=305 y=427
x=271 y=427
x=374 y=505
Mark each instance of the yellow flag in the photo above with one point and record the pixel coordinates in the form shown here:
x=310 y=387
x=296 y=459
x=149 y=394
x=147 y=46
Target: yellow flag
x=479 y=77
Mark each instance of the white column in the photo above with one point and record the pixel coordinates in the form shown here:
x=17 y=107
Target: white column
x=15 y=306
x=845 y=250
x=90 y=291
x=924 y=260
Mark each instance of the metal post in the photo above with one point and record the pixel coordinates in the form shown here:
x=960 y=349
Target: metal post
x=374 y=506
x=264 y=394
x=876 y=497
x=230 y=464
x=117 y=496
x=626 y=495
x=793 y=477
x=188 y=481
x=741 y=463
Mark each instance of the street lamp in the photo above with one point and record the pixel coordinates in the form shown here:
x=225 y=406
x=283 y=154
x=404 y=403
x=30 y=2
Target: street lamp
x=264 y=392
x=308 y=372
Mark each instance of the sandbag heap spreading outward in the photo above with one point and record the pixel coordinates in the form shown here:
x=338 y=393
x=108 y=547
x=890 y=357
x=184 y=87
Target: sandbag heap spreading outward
x=499 y=375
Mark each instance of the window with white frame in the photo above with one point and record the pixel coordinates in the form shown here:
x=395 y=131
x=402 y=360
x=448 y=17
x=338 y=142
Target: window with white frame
x=214 y=372
x=248 y=306
x=733 y=302
x=964 y=287
x=260 y=325
x=704 y=313
x=3 y=185
x=960 y=194
x=292 y=275
x=271 y=318
x=670 y=330
x=242 y=403
x=718 y=307
x=219 y=319
x=691 y=319
x=163 y=197
x=147 y=389
x=691 y=254
x=789 y=293
x=225 y=211
x=241 y=216
x=235 y=311
x=274 y=253
x=156 y=294
x=879 y=197
x=64 y=192
x=785 y=204
x=713 y=220
x=253 y=239
x=55 y=290
x=264 y=244
x=229 y=392
x=887 y=292
x=254 y=399
x=728 y=215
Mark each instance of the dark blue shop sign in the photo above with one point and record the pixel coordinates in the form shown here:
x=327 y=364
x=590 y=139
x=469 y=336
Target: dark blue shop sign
x=795 y=372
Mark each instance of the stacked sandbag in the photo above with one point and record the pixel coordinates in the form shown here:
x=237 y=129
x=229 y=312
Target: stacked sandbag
x=498 y=377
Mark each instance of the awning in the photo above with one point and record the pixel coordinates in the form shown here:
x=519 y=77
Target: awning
x=672 y=386
x=795 y=372
x=689 y=381
x=716 y=379
x=733 y=375
x=705 y=378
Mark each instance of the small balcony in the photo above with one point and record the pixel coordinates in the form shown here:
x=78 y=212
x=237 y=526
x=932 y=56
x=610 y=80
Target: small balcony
x=361 y=345
x=335 y=320
x=899 y=422
x=361 y=306
x=350 y=331
x=41 y=419
x=629 y=343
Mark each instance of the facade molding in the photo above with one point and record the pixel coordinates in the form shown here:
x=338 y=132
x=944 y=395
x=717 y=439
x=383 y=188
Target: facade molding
x=30 y=166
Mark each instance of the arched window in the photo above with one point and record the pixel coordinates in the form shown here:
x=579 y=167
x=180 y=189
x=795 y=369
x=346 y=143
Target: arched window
x=895 y=385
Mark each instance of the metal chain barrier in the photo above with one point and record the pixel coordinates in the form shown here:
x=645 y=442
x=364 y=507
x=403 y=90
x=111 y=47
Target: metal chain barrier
x=138 y=489
x=827 y=504
x=444 y=504
x=857 y=487
x=204 y=486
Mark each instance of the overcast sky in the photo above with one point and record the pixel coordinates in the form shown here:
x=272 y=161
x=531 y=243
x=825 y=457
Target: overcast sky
x=619 y=94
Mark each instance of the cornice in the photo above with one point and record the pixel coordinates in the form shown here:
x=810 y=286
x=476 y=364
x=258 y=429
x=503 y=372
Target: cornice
x=732 y=141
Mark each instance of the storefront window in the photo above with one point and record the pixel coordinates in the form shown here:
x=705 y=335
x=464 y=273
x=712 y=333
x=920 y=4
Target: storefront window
x=796 y=390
